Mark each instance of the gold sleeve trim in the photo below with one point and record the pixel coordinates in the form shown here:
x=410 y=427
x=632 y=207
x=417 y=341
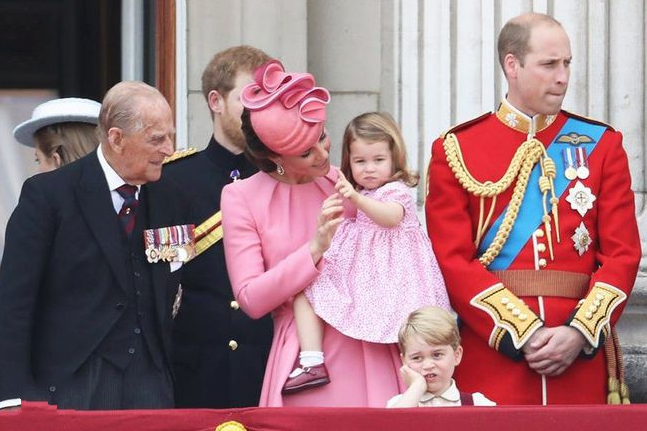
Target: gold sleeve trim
x=495 y=337
x=509 y=313
x=594 y=314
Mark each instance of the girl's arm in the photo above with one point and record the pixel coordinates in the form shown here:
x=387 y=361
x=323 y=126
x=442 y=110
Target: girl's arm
x=385 y=214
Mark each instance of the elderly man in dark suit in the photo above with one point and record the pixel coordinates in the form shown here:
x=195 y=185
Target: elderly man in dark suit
x=85 y=320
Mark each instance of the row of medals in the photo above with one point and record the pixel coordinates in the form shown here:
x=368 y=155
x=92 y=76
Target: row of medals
x=579 y=196
x=175 y=252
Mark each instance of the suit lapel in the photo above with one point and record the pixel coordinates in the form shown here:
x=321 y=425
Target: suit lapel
x=95 y=204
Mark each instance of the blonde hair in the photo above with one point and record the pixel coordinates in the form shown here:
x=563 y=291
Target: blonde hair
x=432 y=324
x=375 y=127
x=70 y=140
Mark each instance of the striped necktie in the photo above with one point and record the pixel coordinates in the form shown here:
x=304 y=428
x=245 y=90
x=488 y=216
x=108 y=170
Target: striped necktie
x=128 y=210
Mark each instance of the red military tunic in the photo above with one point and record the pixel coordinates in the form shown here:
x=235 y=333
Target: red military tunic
x=495 y=323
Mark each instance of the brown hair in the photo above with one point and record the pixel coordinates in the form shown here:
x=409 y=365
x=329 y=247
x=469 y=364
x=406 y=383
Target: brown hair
x=220 y=73
x=377 y=127
x=255 y=150
x=70 y=140
x=433 y=324
x=514 y=37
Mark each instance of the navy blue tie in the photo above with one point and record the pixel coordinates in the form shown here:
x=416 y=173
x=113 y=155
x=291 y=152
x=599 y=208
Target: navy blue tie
x=128 y=210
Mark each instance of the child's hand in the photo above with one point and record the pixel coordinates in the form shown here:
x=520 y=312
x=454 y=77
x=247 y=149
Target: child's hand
x=345 y=188
x=413 y=379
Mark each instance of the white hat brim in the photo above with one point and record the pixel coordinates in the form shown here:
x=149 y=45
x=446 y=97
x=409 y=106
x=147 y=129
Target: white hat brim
x=57 y=111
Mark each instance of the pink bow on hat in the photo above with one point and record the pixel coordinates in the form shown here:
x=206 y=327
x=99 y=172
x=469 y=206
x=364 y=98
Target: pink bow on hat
x=287 y=111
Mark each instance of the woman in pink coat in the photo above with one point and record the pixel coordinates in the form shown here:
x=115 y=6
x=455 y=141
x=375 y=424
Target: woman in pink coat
x=277 y=225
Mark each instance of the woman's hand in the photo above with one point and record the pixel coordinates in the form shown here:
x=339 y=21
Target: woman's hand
x=328 y=220
x=346 y=189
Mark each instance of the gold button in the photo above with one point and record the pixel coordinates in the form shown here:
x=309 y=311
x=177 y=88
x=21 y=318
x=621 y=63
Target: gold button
x=234 y=305
x=509 y=306
x=523 y=317
x=541 y=248
x=505 y=300
x=233 y=345
x=588 y=315
x=542 y=263
x=596 y=302
x=599 y=296
x=516 y=312
x=539 y=233
x=593 y=308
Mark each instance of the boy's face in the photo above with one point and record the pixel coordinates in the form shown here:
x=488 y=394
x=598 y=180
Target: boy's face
x=435 y=362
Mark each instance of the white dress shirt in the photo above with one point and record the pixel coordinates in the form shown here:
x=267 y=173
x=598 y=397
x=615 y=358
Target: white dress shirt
x=114 y=181
x=450 y=398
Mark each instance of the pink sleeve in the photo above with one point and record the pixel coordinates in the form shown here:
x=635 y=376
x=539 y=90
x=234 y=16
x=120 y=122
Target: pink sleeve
x=395 y=191
x=257 y=289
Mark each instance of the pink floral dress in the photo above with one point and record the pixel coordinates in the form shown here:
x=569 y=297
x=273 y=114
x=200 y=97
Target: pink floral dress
x=375 y=276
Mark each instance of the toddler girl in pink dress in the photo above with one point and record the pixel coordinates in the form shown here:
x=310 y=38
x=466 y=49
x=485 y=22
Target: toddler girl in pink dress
x=380 y=266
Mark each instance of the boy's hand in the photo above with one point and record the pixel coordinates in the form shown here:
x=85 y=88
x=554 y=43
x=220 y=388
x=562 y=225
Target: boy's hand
x=414 y=380
x=345 y=188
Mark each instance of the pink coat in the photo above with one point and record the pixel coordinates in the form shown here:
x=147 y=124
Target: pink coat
x=267 y=226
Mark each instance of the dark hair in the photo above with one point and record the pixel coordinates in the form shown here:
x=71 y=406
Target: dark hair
x=255 y=150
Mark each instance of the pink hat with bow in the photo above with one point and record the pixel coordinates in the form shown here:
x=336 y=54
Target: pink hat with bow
x=287 y=111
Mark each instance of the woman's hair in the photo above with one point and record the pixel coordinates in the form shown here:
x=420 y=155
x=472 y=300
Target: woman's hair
x=255 y=150
x=433 y=325
x=70 y=141
x=375 y=127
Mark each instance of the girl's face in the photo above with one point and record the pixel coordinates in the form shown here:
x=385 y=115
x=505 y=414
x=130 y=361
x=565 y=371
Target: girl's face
x=46 y=164
x=310 y=164
x=371 y=163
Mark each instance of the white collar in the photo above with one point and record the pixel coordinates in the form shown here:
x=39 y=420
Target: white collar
x=451 y=394
x=113 y=178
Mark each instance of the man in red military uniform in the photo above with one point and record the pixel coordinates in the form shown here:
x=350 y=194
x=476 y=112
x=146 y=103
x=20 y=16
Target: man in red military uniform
x=531 y=215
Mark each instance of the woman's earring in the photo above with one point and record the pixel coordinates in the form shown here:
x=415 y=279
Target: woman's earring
x=279 y=169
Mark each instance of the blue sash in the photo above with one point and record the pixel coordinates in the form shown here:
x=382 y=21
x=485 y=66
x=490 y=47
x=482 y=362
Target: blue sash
x=531 y=210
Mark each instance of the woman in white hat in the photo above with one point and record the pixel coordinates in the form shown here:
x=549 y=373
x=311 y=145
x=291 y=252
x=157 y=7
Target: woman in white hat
x=61 y=130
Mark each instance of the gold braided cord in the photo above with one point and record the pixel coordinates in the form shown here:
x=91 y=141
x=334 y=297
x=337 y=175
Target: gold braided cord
x=523 y=161
x=488 y=188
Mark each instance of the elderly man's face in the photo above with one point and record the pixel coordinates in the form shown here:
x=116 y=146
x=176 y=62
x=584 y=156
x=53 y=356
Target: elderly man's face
x=144 y=151
x=540 y=84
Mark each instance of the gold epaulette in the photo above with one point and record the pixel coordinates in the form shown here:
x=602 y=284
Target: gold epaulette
x=208 y=233
x=588 y=120
x=460 y=126
x=180 y=155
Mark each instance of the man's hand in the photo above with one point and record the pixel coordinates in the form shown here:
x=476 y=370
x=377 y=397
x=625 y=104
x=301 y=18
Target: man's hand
x=550 y=351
